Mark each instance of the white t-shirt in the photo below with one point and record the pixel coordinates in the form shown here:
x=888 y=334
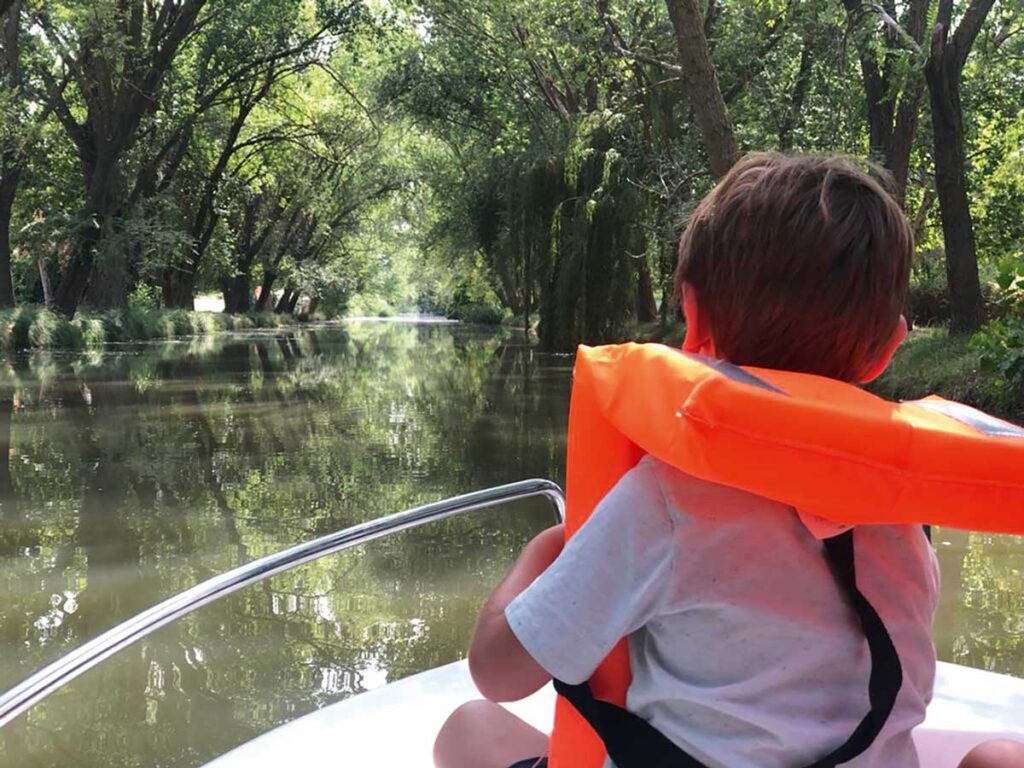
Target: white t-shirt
x=744 y=650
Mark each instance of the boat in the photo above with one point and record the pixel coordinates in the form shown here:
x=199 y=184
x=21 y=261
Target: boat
x=969 y=705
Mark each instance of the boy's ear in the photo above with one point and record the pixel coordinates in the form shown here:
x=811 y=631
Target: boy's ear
x=698 y=332
x=898 y=335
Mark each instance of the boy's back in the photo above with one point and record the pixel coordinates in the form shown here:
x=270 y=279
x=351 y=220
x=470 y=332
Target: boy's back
x=743 y=650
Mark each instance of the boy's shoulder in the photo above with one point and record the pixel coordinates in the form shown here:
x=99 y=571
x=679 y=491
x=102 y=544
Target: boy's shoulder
x=688 y=499
x=702 y=508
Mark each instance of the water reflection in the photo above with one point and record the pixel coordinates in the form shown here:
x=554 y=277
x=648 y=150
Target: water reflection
x=128 y=476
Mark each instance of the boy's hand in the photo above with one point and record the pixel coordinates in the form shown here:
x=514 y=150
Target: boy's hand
x=501 y=668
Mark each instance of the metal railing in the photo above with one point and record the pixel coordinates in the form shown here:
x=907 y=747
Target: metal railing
x=46 y=681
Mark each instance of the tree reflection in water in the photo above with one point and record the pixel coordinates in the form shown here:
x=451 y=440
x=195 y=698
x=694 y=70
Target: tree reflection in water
x=132 y=475
x=128 y=476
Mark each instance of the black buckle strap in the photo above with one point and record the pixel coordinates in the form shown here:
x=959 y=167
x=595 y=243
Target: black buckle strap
x=632 y=742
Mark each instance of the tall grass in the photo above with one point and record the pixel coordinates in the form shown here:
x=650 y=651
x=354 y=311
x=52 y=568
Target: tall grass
x=34 y=327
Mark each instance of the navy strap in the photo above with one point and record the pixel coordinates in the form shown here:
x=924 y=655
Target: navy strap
x=632 y=742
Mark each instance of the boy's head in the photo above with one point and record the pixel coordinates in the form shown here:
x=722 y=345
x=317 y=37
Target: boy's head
x=797 y=263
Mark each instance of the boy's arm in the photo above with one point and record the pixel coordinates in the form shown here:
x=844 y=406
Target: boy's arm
x=501 y=667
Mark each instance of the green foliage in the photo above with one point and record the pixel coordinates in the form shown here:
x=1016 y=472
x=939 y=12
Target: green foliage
x=144 y=296
x=929 y=291
x=93 y=331
x=135 y=324
x=479 y=314
x=369 y=306
x=1001 y=346
x=544 y=148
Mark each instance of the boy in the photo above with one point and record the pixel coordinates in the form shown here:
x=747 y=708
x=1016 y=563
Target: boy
x=744 y=651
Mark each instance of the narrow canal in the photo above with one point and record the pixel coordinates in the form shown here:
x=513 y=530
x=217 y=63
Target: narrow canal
x=131 y=474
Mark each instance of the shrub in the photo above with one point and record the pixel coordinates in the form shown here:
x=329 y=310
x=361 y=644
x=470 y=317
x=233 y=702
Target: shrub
x=163 y=325
x=484 y=314
x=144 y=296
x=370 y=306
x=476 y=313
x=7 y=330
x=34 y=327
x=266 y=320
x=203 y=323
x=181 y=321
x=137 y=325
x=1001 y=344
x=65 y=334
x=92 y=331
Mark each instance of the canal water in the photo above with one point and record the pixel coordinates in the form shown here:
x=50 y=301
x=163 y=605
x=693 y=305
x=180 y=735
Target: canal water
x=131 y=474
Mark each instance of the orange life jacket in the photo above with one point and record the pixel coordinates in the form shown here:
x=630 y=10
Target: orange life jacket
x=813 y=443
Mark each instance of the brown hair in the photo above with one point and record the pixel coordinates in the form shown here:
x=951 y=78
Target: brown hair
x=800 y=262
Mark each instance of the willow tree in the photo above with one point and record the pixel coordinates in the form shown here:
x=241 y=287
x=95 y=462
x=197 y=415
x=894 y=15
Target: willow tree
x=530 y=93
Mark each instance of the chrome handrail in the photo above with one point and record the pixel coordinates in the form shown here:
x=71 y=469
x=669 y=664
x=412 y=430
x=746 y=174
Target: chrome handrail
x=51 y=678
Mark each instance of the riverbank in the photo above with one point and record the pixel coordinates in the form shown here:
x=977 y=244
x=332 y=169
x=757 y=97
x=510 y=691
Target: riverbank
x=931 y=362
x=34 y=327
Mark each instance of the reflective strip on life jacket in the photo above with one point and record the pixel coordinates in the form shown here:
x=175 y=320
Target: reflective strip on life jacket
x=816 y=444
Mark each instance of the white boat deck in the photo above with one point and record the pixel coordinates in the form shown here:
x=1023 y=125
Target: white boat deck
x=395 y=725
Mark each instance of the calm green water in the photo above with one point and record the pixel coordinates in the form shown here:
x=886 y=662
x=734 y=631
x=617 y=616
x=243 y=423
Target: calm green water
x=131 y=475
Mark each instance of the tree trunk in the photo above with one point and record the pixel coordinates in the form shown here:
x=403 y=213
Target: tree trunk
x=11 y=159
x=266 y=286
x=943 y=71
x=794 y=110
x=646 y=307
x=206 y=217
x=285 y=301
x=702 y=87
x=892 y=111
x=44 y=282
x=966 y=306
x=75 y=279
x=8 y=190
x=100 y=175
x=108 y=287
x=179 y=289
x=113 y=113
x=238 y=293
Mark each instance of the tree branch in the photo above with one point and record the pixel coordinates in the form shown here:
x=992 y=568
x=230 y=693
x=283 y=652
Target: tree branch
x=644 y=58
x=967 y=31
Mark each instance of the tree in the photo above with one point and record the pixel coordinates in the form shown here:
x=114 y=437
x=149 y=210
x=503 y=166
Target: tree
x=23 y=113
x=255 y=222
x=251 y=75
x=944 y=70
x=702 y=89
x=10 y=157
x=117 y=55
x=893 y=87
